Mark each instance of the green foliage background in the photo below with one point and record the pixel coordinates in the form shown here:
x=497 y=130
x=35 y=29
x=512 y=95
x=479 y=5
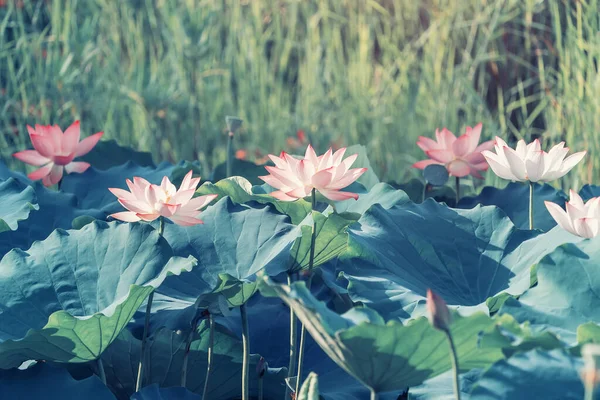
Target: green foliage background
x=161 y=75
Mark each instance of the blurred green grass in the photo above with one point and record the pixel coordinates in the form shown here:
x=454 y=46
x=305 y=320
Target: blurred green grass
x=161 y=75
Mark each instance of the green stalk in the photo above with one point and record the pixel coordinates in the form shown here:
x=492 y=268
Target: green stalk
x=211 y=344
x=374 y=395
x=293 y=342
x=188 y=345
x=531 y=205
x=589 y=388
x=454 y=360
x=311 y=262
x=246 y=353
x=101 y=372
x=457 y=183
x=230 y=155
x=140 y=375
x=260 y=387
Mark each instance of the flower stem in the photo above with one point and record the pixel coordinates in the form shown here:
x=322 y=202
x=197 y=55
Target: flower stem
x=229 y=169
x=211 y=344
x=454 y=360
x=293 y=342
x=188 y=345
x=311 y=262
x=457 y=183
x=161 y=226
x=374 y=395
x=101 y=372
x=589 y=390
x=140 y=376
x=531 y=205
x=260 y=387
x=246 y=353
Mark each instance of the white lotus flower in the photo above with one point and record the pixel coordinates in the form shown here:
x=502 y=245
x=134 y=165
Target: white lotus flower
x=580 y=219
x=528 y=162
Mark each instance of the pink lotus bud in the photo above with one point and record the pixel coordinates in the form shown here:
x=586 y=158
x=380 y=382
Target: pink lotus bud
x=439 y=315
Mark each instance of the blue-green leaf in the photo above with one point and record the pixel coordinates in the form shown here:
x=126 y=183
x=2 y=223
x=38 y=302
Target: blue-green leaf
x=514 y=201
x=91 y=187
x=44 y=381
x=108 y=153
x=69 y=296
x=566 y=295
x=385 y=357
x=17 y=200
x=154 y=392
x=465 y=256
x=166 y=350
x=533 y=375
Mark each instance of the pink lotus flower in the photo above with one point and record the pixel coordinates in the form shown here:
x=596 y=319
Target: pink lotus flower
x=461 y=156
x=56 y=150
x=147 y=202
x=328 y=174
x=528 y=162
x=438 y=313
x=580 y=219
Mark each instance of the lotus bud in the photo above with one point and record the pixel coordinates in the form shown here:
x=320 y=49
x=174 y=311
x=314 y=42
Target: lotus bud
x=439 y=315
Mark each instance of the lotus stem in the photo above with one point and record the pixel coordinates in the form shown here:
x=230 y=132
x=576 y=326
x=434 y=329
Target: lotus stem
x=229 y=169
x=531 y=205
x=454 y=360
x=188 y=345
x=260 y=387
x=140 y=376
x=293 y=343
x=374 y=395
x=161 y=226
x=311 y=262
x=211 y=345
x=457 y=183
x=246 y=353
x=101 y=372
x=589 y=390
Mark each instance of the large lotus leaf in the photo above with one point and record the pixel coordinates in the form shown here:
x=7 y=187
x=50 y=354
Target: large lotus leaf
x=237 y=240
x=269 y=323
x=166 y=351
x=380 y=193
x=91 y=187
x=386 y=357
x=17 y=201
x=56 y=210
x=69 y=296
x=514 y=201
x=368 y=179
x=418 y=192
x=246 y=169
x=589 y=191
x=108 y=153
x=240 y=191
x=441 y=387
x=466 y=256
x=154 y=392
x=512 y=337
x=566 y=295
x=548 y=375
x=330 y=241
x=44 y=381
